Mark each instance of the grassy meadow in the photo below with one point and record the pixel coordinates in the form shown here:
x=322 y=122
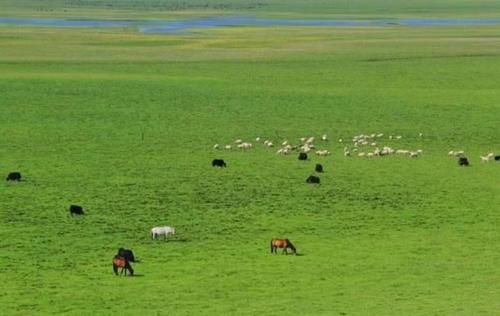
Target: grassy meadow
x=123 y=124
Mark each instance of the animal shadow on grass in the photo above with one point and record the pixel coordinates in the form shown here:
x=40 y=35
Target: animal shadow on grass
x=178 y=240
x=172 y=239
x=137 y=276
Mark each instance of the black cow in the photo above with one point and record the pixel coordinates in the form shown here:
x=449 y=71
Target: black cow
x=318 y=168
x=14 y=176
x=312 y=179
x=76 y=209
x=127 y=254
x=463 y=161
x=497 y=158
x=302 y=156
x=218 y=163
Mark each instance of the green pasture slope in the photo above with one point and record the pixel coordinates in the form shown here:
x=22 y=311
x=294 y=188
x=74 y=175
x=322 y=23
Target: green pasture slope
x=124 y=123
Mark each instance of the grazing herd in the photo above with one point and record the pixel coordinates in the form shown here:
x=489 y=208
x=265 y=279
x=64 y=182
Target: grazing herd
x=123 y=259
x=363 y=145
x=302 y=156
x=369 y=146
x=124 y=256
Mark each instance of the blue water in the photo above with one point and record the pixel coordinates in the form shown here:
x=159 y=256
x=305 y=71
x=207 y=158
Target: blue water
x=210 y=22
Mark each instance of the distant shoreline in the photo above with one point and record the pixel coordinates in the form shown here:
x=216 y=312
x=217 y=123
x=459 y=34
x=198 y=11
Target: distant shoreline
x=238 y=21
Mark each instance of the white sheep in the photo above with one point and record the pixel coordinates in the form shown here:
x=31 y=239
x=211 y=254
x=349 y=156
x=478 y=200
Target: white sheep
x=216 y=146
x=305 y=148
x=323 y=152
x=324 y=137
x=485 y=158
x=456 y=153
x=388 y=150
x=227 y=147
x=245 y=145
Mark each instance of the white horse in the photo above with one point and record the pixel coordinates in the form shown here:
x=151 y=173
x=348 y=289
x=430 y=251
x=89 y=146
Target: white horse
x=165 y=230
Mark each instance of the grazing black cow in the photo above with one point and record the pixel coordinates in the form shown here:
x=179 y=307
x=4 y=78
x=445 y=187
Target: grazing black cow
x=463 y=161
x=127 y=254
x=218 y=163
x=497 y=158
x=302 y=156
x=318 y=168
x=76 y=209
x=313 y=179
x=14 y=176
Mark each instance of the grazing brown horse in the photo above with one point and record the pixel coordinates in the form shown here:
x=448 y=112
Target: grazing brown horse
x=122 y=262
x=282 y=243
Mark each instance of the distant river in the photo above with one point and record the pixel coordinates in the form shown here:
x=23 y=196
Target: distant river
x=210 y=22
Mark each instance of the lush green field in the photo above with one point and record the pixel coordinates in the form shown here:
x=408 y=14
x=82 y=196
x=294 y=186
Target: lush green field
x=124 y=123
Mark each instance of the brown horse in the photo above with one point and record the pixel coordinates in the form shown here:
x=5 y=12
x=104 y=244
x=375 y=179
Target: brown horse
x=122 y=262
x=282 y=243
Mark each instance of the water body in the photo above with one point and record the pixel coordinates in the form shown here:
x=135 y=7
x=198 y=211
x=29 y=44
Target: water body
x=235 y=21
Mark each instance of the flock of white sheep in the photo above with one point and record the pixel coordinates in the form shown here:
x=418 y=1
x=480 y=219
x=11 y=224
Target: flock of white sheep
x=363 y=145
x=368 y=146
x=305 y=145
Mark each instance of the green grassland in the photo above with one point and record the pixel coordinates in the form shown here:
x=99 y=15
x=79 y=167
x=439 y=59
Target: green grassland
x=124 y=123
x=172 y=9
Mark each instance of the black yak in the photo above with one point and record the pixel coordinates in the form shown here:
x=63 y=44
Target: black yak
x=218 y=163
